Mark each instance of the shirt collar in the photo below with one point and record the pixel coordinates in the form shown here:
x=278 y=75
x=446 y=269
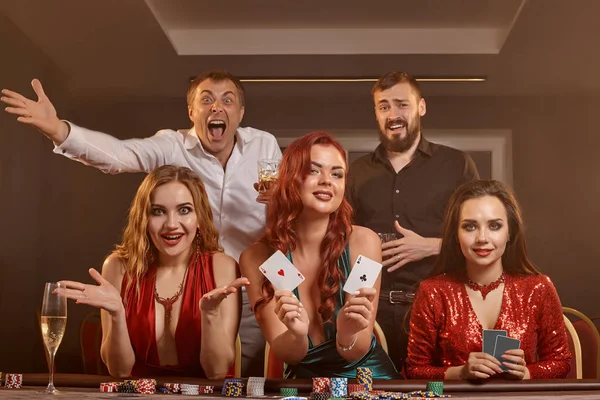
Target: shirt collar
x=424 y=147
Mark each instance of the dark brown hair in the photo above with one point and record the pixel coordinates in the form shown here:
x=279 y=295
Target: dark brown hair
x=391 y=79
x=514 y=259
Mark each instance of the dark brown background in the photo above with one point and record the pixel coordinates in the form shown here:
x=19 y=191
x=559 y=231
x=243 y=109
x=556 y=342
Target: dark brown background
x=59 y=218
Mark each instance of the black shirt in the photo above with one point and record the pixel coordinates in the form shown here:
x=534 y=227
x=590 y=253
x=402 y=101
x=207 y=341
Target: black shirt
x=416 y=196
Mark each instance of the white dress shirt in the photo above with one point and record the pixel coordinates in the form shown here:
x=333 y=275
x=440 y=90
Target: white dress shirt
x=239 y=218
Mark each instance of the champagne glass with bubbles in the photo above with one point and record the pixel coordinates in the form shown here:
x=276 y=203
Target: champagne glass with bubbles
x=53 y=322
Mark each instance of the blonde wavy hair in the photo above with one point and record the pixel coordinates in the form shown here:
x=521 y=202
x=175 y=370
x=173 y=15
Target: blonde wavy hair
x=136 y=250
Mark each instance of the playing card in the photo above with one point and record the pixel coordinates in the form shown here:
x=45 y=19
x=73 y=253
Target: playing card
x=363 y=274
x=504 y=343
x=281 y=272
x=489 y=339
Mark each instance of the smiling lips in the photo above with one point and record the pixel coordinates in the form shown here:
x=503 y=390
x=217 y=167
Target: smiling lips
x=323 y=195
x=482 y=252
x=172 y=239
x=396 y=124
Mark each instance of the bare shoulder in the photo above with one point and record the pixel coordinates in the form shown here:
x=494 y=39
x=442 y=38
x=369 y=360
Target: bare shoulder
x=364 y=241
x=360 y=233
x=253 y=256
x=113 y=270
x=222 y=260
x=225 y=268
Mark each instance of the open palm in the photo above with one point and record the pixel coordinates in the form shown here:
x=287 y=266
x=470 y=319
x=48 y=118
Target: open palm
x=40 y=114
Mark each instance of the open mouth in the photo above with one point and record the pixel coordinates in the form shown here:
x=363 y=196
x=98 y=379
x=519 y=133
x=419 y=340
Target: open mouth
x=396 y=124
x=217 y=128
x=172 y=239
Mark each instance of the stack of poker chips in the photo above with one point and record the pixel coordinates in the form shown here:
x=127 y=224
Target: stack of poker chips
x=436 y=387
x=145 y=386
x=338 y=387
x=355 y=387
x=364 y=376
x=256 y=386
x=230 y=380
x=319 y=396
x=288 y=392
x=364 y=395
x=0 y=379
x=429 y=395
x=126 y=387
x=234 y=389
x=108 y=387
x=320 y=385
x=13 y=381
x=189 y=390
x=206 y=389
x=172 y=388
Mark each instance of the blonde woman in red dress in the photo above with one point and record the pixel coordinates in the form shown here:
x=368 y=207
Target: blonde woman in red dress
x=164 y=291
x=485 y=280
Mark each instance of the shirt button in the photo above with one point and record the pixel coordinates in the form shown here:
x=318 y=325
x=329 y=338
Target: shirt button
x=397 y=191
x=397 y=216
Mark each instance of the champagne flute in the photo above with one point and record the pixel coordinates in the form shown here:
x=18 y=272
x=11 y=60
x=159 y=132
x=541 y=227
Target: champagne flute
x=53 y=321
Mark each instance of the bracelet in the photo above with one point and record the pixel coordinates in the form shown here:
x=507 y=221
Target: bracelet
x=348 y=348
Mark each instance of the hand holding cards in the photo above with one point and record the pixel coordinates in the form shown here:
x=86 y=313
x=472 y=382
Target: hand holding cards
x=496 y=343
x=364 y=274
x=281 y=272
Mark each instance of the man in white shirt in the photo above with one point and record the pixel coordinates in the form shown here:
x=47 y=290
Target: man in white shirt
x=223 y=154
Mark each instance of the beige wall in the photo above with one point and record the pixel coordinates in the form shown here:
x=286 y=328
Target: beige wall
x=61 y=218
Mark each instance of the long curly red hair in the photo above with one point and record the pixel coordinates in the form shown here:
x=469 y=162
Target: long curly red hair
x=286 y=205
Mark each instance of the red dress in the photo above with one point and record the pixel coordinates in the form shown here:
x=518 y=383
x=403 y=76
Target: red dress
x=444 y=328
x=141 y=322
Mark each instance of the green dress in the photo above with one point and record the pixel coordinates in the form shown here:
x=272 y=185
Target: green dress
x=324 y=359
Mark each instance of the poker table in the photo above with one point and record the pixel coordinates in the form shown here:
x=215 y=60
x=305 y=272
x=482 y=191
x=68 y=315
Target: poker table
x=76 y=386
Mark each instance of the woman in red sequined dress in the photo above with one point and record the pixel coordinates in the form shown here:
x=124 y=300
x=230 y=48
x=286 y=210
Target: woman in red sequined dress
x=485 y=280
x=173 y=314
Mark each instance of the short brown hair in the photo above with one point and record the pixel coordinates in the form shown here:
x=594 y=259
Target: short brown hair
x=216 y=76
x=393 y=78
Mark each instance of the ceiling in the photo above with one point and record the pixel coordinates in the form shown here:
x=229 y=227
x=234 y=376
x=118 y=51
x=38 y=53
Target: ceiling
x=151 y=48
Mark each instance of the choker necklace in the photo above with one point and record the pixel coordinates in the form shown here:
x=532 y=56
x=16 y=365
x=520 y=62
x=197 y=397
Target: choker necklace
x=485 y=289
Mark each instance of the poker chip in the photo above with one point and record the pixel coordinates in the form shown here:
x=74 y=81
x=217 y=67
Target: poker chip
x=234 y=389
x=319 y=396
x=189 y=390
x=436 y=387
x=429 y=395
x=13 y=381
x=255 y=386
x=125 y=387
x=364 y=395
x=320 y=385
x=108 y=387
x=172 y=388
x=355 y=387
x=364 y=376
x=338 y=387
x=288 y=392
x=145 y=386
x=206 y=389
x=233 y=380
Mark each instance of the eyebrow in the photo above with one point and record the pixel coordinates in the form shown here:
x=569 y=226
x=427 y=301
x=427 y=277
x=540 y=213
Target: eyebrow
x=187 y=203
x=491 y=220
x=229 y=92
x=321 y=166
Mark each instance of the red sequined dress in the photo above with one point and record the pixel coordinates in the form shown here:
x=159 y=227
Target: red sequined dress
x=444 y=328
x=141 y=322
